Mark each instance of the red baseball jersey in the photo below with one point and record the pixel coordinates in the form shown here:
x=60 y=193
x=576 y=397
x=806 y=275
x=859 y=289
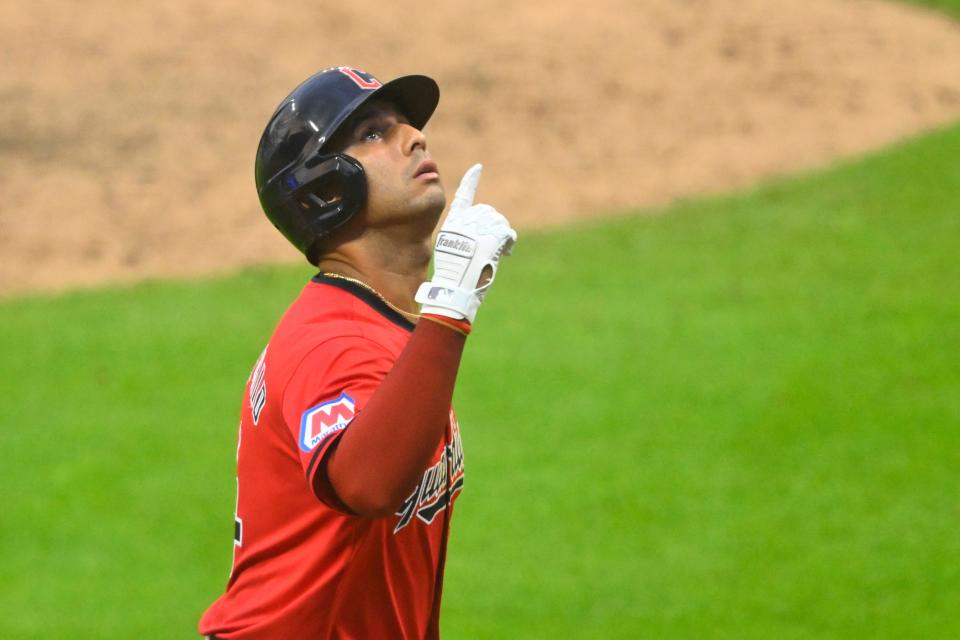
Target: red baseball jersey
x=302 y=566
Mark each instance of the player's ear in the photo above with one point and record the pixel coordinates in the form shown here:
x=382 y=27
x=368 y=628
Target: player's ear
x=330 y=190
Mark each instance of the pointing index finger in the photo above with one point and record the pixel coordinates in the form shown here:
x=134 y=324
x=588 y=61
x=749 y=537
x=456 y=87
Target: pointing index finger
x=463 y=198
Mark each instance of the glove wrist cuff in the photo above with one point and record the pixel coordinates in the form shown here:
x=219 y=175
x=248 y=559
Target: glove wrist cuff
x=444 y=300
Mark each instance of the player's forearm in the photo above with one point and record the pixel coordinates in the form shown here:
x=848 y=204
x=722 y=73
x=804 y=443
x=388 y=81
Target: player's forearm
x=383 y=453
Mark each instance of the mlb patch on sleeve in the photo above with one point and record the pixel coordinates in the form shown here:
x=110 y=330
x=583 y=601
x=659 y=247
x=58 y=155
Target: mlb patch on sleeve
x=323 y=420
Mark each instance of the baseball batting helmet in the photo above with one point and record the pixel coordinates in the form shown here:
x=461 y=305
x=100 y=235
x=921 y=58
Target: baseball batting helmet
x=294 y=169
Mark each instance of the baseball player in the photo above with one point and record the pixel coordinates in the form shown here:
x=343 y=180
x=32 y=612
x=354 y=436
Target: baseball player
x=349 y=455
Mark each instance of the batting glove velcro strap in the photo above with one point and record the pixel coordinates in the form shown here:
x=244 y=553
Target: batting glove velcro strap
x=469 y=246
x=451 y=302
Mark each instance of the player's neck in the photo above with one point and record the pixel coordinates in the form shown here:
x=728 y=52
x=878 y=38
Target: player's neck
x=393 y=269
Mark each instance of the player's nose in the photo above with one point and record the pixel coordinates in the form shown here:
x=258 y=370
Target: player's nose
x=412 y=139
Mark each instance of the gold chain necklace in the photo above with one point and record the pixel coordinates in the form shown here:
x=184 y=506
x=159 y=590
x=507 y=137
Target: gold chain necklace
x=412 y=317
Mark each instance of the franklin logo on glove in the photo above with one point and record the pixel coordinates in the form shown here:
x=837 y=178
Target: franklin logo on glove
x=456 y=244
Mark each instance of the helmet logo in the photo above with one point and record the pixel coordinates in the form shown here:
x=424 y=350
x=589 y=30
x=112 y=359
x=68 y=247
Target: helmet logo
x=361 y=78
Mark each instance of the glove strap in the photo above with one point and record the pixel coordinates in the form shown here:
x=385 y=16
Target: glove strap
x=452 y=302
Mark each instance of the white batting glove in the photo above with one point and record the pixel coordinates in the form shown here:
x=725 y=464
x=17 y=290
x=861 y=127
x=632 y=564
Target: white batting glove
x=473 y=238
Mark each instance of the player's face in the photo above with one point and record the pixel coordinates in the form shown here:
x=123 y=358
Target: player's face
x=402 y=179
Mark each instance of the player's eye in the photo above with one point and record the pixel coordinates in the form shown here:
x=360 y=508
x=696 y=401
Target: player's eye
x=371 y=134
x=373 y=129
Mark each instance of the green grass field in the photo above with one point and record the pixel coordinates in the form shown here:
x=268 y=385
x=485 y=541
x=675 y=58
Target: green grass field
x=738 y=420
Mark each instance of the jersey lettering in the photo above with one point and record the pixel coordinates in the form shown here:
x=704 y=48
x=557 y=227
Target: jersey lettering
x=439 y=485
x=258 y=387
x=237 y=520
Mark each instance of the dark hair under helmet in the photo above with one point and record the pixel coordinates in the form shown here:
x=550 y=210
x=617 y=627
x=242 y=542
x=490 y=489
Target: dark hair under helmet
x=293 y=166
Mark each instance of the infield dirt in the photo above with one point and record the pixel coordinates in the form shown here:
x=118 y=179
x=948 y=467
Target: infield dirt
x=127 y=131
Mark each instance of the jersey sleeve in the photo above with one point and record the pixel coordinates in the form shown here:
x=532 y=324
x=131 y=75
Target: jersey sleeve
x=326 y=391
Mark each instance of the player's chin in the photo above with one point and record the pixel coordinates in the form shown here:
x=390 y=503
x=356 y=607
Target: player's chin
x=432 y=199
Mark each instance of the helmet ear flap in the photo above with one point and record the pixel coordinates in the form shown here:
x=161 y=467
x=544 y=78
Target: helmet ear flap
x=306 y=194
x=333 y=199
x=337 y=193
